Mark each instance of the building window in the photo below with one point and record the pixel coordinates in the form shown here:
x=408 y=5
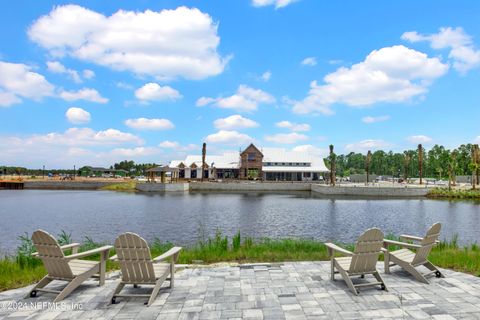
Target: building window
x=251 y=156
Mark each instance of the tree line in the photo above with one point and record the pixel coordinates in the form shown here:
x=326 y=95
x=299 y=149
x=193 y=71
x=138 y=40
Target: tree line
x=438 y=162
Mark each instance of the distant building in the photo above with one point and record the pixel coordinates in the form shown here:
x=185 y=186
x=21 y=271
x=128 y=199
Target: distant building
x=88 y=171
x=270 y=164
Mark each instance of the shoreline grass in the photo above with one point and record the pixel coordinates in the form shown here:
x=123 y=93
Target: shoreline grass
x=123 y=186
x=438 y=193
x=22 y=269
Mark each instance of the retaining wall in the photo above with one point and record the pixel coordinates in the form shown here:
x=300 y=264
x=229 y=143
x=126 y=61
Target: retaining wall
x=370 y=191
x=67 y=185
x=162 y=187
x=252 y=186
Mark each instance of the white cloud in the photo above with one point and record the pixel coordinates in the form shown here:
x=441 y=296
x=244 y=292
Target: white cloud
x=135 y=152
x=390 y=74
x=419 y=139
x=177 y=146
x=88 y=74
x=167 y=44
x=245 y=99
x=293 y=126
x=77 y=115
x=477 y=139
x=286 y=138
x=234 y=122
x=80 y=137
x=17 y=81
x=309 y=61
x=319 y=152
x=123 y=85
x=462 y=50
x=154 y=92
x=277 y=3
x=370 y=119
x=149 y=124
x=366 y=145
x=266 y=76
x=86 y=94
x=57 y=67
x=229 y=137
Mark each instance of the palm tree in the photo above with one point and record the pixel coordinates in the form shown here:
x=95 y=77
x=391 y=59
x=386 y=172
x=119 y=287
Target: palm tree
x=406 y=163
x=475 y=165
x=367 y=164
x=204 y=153
x=420 y=161
x=477 y=161
x=332 y=165
x=452 y=167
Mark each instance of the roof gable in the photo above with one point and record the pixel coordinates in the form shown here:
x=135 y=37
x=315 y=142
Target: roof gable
x=251 y=148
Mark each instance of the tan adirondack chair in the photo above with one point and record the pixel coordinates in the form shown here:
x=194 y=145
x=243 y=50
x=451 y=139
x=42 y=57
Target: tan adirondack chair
x=361 y=262
x=409 y=260
x=66 y=268
x=138 y=267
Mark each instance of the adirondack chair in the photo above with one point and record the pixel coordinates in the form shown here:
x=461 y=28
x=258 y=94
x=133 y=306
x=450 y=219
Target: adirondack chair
x=361 y=262
x=66 y=268
x=138 y=267
x=409 y=260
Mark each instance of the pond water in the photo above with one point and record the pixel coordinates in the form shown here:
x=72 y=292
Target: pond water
x=184 y=218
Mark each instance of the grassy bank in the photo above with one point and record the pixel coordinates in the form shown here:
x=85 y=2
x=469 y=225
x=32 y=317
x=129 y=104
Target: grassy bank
x=454 y=193
x=22 y=269
x=124 y=186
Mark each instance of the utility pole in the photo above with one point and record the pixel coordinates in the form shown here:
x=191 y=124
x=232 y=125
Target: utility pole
x=74 y=172
x=43 y=172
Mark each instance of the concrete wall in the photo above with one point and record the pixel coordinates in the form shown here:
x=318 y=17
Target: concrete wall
x=249 y=186
x=68 y=185
x=162 y=187
x=370 y=191
x=358 y=178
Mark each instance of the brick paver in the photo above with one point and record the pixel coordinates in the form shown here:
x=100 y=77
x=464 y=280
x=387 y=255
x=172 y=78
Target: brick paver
x=300 y=290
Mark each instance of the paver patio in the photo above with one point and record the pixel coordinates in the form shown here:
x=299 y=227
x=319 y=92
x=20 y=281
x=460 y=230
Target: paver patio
x=300 y=290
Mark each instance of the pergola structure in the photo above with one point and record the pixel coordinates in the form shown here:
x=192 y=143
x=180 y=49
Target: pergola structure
x=153 y=172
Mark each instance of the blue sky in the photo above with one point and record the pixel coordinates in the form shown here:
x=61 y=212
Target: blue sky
x=94 y=82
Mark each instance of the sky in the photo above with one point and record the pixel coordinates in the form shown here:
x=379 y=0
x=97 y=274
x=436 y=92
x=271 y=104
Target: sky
x=97 y=82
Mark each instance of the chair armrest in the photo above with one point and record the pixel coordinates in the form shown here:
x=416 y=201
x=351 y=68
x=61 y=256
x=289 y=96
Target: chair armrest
x=113 y=258
x=89 y=252
x=172 y=252
x=406 y=237
x=63 y=248
x=386 y=242
x=333 y=247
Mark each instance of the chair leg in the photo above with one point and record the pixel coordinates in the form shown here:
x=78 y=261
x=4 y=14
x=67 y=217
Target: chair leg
x=386 y=258
x=430 y=266
x=172 y=274
x=116 y=291
x=348 y=280
x=332 y=269
x=41 y=284
x=72 y=285
x=415 y=273
x=156 y=289
x=380 y=279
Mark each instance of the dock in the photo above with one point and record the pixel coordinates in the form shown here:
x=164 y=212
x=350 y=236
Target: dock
x=14 y=185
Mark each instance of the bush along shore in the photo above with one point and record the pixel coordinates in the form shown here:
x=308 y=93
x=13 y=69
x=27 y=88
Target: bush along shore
x=22 y=269
x=454 y=193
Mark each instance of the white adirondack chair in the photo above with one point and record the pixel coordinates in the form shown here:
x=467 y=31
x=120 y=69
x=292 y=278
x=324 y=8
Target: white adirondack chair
x=361 y=262
x=409 y=260
x=66 y=268
x=138 y=267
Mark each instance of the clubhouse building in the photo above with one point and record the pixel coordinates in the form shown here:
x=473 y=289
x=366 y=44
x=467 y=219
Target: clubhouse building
x=268 y=164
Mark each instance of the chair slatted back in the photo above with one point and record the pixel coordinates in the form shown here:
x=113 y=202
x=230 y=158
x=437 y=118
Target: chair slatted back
x=427 y=244
x=367 y=250
x=51 y=254
x=135 y=260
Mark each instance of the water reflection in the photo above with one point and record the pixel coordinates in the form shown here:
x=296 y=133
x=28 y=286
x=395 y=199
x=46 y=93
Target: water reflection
x=183 y=218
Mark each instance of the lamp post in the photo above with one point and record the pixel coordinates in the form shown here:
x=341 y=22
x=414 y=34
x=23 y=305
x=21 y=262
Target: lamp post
x=74 y=172
x=43 y=172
